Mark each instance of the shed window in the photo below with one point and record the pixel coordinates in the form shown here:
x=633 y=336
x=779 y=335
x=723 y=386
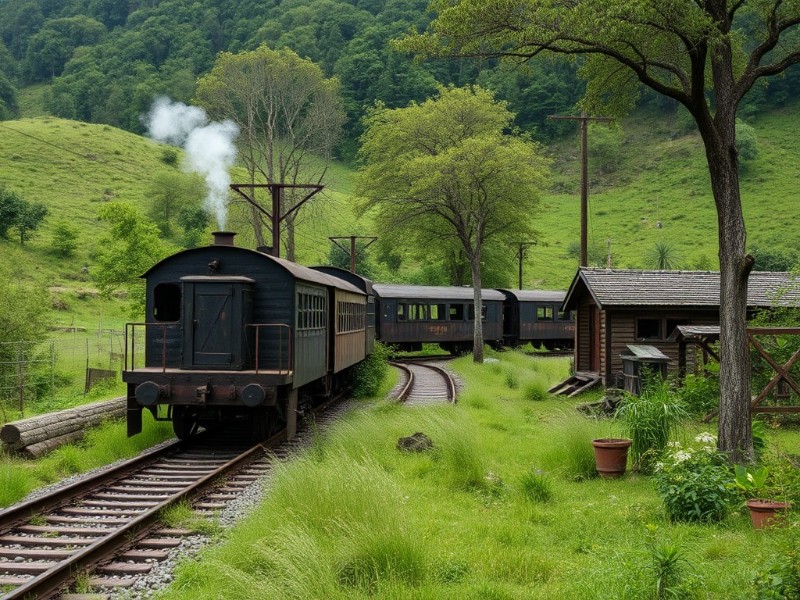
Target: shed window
x=544 y=312
x=648 y=329
x=167 y=302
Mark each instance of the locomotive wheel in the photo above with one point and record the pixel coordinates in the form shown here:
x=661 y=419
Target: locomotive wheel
x=184 y=422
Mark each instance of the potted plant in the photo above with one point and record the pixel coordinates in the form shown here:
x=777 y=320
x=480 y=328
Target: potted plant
x=611 y=456
x=753 y=482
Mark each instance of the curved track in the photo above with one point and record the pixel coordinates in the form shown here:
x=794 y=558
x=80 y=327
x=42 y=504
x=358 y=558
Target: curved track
x=425 y=383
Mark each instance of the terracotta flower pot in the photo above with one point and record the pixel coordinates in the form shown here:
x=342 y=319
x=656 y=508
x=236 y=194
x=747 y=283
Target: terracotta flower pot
x=611 y=456
x=765 y=513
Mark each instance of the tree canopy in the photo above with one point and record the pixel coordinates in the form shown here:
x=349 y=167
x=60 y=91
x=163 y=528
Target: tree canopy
x=447 y=170
x=290 y=118
x=704 y=55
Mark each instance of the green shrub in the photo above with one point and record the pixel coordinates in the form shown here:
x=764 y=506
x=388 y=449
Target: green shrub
x=695 y=482
x=511 y=379
x=700 y=395
x=369 y=374
x=536 y=486
x=571 y=453
x=649 y=420
x=780 y=578
x=535 y=391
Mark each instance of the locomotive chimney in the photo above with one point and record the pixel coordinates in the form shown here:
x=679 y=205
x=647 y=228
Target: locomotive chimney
x=223 y=238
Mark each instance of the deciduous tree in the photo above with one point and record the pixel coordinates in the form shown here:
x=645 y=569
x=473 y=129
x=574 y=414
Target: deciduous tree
x=681 y=49
x=447 y=169
x=289 y=116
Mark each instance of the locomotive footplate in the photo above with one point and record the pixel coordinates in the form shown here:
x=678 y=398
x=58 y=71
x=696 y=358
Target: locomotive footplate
x=244 y=388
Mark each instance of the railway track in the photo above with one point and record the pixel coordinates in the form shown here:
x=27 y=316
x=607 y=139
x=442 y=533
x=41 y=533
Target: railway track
x=424 y=383
x=105 y=529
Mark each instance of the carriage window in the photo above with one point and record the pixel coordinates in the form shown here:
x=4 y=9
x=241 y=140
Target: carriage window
x=544 y=312
x=648 y=329
x=565 y=315
x=167 y=302
x=401 y=311
x=456 y=312
x=438 y=312
x=484 y=312
x=417 y=312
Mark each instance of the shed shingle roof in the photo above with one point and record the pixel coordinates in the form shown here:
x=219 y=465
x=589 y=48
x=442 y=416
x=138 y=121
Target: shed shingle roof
x=618 y=287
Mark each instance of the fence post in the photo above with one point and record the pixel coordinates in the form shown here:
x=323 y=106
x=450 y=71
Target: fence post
x=21 y=379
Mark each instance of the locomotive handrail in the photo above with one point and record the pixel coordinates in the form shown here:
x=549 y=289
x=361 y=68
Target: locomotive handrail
x=281 y=327
x=132 y=345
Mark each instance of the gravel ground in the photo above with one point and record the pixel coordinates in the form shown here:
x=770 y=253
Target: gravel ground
x=162 y=574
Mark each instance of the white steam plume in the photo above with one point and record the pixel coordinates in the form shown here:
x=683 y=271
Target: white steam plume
x=210 y=148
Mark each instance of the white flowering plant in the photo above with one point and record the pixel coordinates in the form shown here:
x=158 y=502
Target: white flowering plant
x=695 y=481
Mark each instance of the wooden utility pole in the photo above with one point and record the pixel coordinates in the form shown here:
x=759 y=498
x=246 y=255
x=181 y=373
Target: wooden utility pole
x=352 y=252
x=276 y=216
x=584 y=119
x=521 y=247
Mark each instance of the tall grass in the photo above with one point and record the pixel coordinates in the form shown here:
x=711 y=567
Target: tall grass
x=650 y=419
x=355 y=518
x=101 y=446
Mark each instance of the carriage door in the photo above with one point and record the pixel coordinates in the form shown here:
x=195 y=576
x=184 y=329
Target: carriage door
x=215 y=317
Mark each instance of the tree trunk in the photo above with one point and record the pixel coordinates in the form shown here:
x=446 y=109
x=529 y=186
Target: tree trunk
x=735 y=431
x=477 y=338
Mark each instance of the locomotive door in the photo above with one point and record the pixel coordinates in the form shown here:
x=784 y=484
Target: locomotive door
x=215 y=317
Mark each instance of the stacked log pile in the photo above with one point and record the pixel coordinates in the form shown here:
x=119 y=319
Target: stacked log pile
x=36 y=436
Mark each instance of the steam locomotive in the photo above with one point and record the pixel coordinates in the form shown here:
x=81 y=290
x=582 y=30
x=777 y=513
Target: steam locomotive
x=233 y=333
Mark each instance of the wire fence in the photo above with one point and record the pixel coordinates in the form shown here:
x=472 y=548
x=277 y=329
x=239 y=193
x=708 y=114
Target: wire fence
x=31 y=371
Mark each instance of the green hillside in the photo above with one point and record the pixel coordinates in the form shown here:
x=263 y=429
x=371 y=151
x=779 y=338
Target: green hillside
x=659 y=191
x=656 y=178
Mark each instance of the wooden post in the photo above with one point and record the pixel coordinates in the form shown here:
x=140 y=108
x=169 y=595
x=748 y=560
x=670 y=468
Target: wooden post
x=584 y=119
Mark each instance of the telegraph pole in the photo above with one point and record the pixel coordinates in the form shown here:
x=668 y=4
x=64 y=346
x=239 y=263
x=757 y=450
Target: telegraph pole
x=521 y=247
x=276 y=216
x=584 y=119
x=352 y=252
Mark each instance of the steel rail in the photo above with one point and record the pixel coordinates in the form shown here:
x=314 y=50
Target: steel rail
x=406 y=389
x=17 y=513
x=50 y=582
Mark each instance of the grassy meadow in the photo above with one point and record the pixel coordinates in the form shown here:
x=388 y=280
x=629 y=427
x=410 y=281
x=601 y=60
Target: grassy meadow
x=101 y=446
x=504 y=507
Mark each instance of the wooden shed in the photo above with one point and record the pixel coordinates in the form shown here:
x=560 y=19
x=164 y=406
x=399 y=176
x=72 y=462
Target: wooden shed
x=614 y=308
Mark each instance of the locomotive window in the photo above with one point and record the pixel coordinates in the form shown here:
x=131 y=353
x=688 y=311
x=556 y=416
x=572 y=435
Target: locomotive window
x=167 y=302
x=648 y=329
x=438 y=312
x=456 y=312
x=544 y=312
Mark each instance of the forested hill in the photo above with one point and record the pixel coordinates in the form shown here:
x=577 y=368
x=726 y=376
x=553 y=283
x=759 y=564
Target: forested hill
x=103 y=61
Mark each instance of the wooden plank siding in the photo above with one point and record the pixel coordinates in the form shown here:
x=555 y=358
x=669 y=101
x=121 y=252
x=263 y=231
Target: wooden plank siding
x=349 y=330
x=583 y=342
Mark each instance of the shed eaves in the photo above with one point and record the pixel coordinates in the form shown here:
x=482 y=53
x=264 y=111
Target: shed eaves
x=611 y=287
